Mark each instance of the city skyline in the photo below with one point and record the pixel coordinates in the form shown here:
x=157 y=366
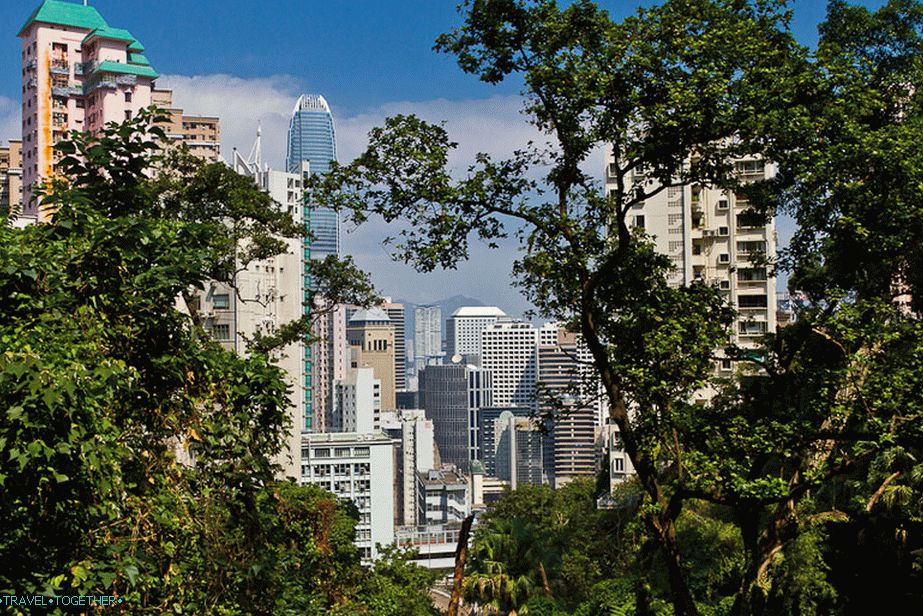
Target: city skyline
x=216 y=66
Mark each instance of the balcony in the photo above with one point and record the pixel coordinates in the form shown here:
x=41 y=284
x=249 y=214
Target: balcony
x=59 y=67
x=33 y=82
x=32 y=64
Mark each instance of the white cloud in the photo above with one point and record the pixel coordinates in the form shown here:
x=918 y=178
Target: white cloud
x=493 y=125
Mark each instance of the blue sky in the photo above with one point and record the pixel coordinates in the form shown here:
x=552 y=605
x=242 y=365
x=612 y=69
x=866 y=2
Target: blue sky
x=247 y=61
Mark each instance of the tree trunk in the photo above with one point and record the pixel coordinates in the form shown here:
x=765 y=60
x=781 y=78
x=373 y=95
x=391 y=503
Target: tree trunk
x=461 y=556
x=545 y=585
x=683 y=603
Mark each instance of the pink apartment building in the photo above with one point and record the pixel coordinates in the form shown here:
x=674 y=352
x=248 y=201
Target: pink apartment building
x=78 y=73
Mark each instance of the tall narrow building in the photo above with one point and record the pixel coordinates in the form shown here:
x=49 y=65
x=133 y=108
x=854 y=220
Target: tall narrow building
x=427 y=335
x=311 y=148
x=396 y=314
x=78 y=73
x=510 y=352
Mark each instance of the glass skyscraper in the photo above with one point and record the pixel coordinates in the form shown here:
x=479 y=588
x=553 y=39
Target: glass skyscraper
x=311 y=138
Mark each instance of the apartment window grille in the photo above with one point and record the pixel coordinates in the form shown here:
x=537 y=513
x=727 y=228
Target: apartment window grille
x=221 y=301
x=222 y=331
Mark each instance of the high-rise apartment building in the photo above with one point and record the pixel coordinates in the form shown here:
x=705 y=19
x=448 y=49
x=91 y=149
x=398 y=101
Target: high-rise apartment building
x=200 y=134
x=330 y=359
x=463 y=328
x=360 y=468
x=370 y=335
x=266 y=295
x=574 y=442
x=427 y=335
x=414 y=453
x=509 y=351
x=713 y=236
x=78 y=73
x=11 y=178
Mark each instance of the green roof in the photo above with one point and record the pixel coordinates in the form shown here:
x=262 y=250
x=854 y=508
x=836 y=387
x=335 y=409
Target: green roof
x=137 y=58
x=127 y=69
x=136 y=46
x=110 y=33
x=63 y=13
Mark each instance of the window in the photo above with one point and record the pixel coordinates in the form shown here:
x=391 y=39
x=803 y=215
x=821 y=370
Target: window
x=639 y=222
x=752 y=328
x=723 y=231
x=221 y=301
x=618 y=465
x=724 y=285
x=725 y=364
x=361 y=452
x=749 y=220
x=341 y=452
x=755 y=274
x=722 y=204
x=222 y=331
x=751 y=301
x=752 y=246
x=128 y=114
x=321 y=453
x=724 y=258
x=128 y=97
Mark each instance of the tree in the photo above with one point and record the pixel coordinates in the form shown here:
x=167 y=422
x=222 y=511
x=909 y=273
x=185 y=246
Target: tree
x=678 y=92
x=104 y=382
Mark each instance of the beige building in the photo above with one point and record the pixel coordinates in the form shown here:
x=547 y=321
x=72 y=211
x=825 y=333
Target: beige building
x=11 y=178
x=713 y=236
x=201 y=134
x=370 y=336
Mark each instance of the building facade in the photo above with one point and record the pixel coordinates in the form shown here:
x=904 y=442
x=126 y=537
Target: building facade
x=443 y=497
x=715 y=237
x=357 y=402
x=396 y=314
x=463 y=329
x=78 y=73
x=509 y=351
x=571 y=394
x=11 y=178
x=370 y=336
x=427 y=335
x=358 y=467
x=200 y=134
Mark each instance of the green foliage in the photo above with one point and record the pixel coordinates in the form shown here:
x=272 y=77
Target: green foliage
x=136 y=454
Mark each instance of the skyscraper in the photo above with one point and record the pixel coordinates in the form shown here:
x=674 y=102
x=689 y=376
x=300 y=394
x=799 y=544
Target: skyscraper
x=427 y=334
x=78 y=73
x=509 y=351
x=463 y=328
x=370 y=334
x=396 y=314
x=311 y=138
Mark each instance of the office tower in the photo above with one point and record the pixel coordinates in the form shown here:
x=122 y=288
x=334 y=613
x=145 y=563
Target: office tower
x=360 y=468
x=463 y=328
x=78 y=73
x=509 y=352
x=564 y=370
x=266 y=295
x=311 y=138
x=443 y=497
x=451 y=394
x=371 y=340
x=427 y=335
x=11 y=178
x=200 y=134
x=711 y=235
x=395 y=313
x=516 y=454
x=357 y=402
x=487 y=426
x=412 y=433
